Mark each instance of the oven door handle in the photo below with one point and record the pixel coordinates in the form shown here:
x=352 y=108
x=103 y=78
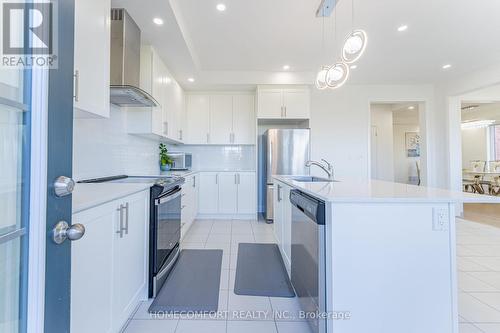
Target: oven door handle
x=168 y=197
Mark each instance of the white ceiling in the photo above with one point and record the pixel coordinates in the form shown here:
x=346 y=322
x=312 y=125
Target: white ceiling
x=251 y=41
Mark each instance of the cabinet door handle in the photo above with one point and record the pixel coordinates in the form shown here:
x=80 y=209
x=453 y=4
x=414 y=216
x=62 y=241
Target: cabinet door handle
x=285 y=111
x=180 y=134
x=235 y=178
x=120 y=230
x=279 y=193
x=76 y=88
x=126 y=218
x=208 y=138
x=281 y=111
x=194 y=181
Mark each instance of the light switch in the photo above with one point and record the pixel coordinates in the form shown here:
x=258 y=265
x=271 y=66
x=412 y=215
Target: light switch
x=440 y=220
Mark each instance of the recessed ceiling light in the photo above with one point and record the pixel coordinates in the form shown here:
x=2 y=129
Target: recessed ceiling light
x=221 y=7
x=403 y=28
x=191 y=79
x=411 y=107
x=158 y=21
x=447 y=66
x=354 y=66
x=286 y=67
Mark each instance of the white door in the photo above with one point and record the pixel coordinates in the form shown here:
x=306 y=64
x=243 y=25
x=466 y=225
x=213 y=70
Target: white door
x=92 y=63
x=296 y=103
x=91 y=272
x=228 y=193
x=129 y=257
x=244 y=119
x=221 y=118
x=208 y=195
x=197 y=119
x=270 y=104
x=246 y=193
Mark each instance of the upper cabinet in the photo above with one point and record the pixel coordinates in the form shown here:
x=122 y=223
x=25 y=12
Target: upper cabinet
x=286 y=103
x=165 y=120
x=92 y=49
x=222 y=118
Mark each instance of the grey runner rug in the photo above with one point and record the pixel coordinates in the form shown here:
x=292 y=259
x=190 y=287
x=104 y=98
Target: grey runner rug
x=260 y=271
x=193 y=285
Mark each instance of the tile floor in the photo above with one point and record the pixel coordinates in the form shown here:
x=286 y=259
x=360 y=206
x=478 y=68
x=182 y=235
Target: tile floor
x=478 y=263
x=478 y=251
x=244 y=313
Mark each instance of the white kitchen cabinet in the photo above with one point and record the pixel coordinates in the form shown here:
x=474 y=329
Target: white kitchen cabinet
x=228 y=193
x=107 y=267
x=130 y=277
x=92 y=60
x=164 y=120
x=296 y=103
x=287 y=103
x=221 y=119
x=270 y=103
x=189 y=199
x=244 y=119
x=92 y=271
x=208 y=195
x=282 y=222
x=246 y=192
x=197 y=119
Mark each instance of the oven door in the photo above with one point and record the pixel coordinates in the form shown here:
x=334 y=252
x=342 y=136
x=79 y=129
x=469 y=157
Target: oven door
x=168 y=226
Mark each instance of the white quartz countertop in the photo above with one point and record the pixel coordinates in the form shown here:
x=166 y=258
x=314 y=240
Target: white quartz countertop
x=382 y=191
x=86 y=196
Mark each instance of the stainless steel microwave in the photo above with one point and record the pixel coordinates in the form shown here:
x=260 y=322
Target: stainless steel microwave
x=182 y=161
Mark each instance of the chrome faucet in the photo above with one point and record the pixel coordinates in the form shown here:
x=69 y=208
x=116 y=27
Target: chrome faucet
x=328 y=168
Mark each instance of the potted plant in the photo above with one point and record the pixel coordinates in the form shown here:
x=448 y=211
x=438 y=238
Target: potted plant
x=165 y=160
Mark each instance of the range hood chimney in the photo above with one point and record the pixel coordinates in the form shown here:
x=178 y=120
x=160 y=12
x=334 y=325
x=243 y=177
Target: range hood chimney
x=125 y=62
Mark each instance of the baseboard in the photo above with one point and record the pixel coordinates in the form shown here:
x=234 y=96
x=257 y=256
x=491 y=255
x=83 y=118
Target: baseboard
x=227 y=216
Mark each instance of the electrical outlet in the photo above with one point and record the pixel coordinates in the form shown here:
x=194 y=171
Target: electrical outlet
x=440 y=219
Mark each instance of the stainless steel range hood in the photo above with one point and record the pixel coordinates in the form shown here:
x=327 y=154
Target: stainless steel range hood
x=125 y=62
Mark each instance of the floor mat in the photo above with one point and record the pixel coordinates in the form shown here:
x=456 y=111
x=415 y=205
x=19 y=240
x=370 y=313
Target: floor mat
x=193 y=285
x=260 y=271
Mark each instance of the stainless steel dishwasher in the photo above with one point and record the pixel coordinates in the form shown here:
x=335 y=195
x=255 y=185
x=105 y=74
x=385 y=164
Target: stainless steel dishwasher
x=308 y=257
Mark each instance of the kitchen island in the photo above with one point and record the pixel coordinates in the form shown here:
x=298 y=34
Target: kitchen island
x=384 y=244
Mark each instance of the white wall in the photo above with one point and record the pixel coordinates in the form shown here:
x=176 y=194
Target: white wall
x=474 y=145
x=102 y=147
x=340 y=125
x=383 y=164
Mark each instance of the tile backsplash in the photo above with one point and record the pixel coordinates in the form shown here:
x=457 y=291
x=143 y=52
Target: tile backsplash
x=102 y=147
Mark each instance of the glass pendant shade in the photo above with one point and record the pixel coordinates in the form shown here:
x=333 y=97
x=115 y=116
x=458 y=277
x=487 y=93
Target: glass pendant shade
x=321 y=78
x=337 y=75
x=354 y=46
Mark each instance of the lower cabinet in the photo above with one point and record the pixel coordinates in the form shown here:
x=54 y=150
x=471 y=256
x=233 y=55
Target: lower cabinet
x=283 y=221
x=108 y=265
x=189 y=200
x=227 y=194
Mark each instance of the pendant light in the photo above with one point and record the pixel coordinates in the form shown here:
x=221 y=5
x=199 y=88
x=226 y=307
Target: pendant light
x=355 y=43
x=337 y=75
x=321 y=76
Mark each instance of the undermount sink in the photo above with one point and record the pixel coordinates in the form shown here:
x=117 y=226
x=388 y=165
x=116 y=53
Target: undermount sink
x=311 y=179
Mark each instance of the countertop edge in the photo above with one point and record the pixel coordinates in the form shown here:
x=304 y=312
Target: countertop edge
x=454 y=197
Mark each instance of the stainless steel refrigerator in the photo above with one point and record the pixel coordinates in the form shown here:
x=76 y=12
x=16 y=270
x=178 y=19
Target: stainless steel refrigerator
x=286 y=153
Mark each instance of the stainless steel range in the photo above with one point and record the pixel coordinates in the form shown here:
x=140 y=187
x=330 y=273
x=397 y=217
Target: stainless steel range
x=164 y=223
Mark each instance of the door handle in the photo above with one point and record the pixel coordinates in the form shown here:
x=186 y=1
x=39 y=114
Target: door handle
x=235 y=178
x=76 y=78
x=121 y=228
x=194 y=181
x=126 y=218
x=63 y=186
x=63 y=231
